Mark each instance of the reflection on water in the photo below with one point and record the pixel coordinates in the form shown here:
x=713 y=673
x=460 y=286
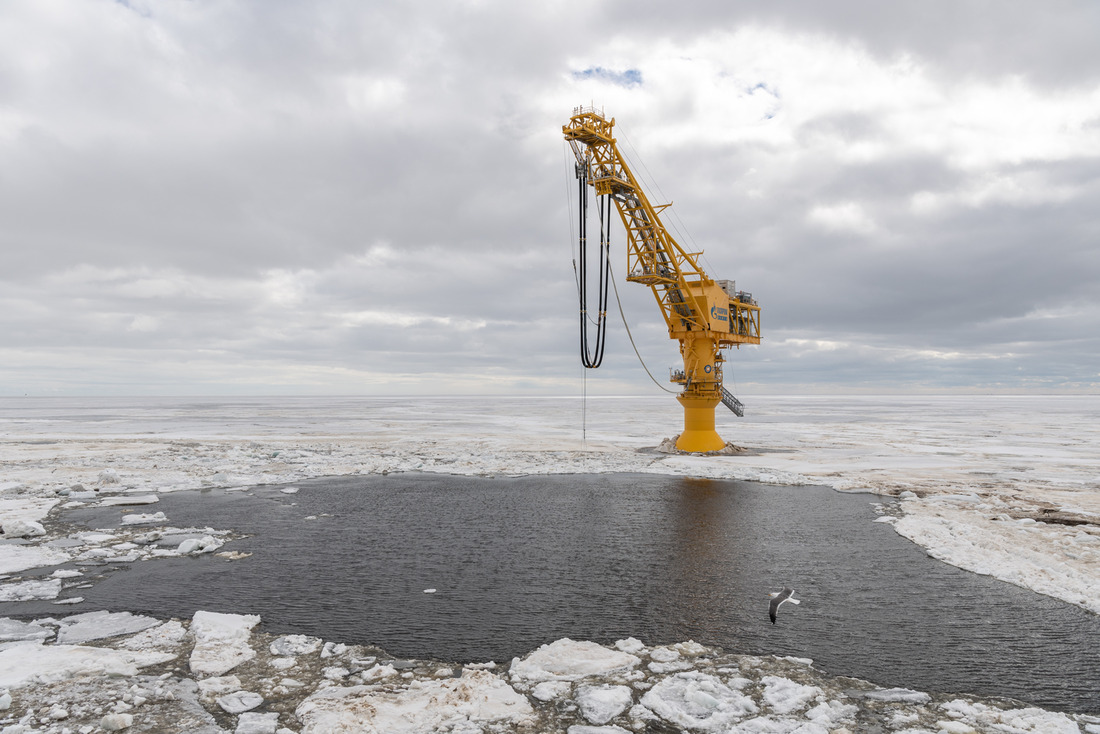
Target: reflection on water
x=520 y=562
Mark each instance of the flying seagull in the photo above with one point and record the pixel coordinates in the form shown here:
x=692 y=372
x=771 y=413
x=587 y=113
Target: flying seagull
x=778 y=597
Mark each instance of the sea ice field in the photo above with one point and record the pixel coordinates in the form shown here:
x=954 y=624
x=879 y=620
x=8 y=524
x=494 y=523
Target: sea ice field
x=1003 y=486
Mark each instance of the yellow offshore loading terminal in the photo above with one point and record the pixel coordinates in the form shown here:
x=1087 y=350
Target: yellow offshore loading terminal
x=703 y=314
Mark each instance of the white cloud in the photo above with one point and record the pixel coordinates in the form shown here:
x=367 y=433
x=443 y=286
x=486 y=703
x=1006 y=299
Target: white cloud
x=393 y=319
x=372 y=95
x=846 y=217
x=286 y=288
x=144 y=323
x=763 y=84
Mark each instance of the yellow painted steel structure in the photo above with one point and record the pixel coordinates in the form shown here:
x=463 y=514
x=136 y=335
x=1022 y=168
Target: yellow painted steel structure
x=703 y=314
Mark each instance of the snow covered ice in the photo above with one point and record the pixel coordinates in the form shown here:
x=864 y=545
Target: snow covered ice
x=1008 y=487
x=141 y=682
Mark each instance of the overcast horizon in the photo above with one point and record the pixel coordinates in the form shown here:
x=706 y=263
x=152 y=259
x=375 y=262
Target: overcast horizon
x=346 y=198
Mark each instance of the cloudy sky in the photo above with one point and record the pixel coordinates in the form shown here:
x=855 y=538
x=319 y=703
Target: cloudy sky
x=349 y=197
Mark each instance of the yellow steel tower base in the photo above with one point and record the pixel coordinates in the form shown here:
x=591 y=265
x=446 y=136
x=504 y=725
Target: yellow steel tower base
x=699 y=433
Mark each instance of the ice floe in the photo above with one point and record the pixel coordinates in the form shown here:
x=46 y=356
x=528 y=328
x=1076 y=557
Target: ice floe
x=566 y=660
x=30 y=589
x=89 y=626
x=221 y=642
x=28 y=663
x=15 y=558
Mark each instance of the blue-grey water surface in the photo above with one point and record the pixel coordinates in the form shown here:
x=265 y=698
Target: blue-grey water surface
x=518 y=562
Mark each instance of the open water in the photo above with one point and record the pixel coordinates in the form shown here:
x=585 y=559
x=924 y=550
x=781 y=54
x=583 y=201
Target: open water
x=518 y=562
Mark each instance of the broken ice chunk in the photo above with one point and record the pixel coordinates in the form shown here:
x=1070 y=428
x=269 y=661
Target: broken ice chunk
x=221 y=641
x=81 y=628
x=240 y=701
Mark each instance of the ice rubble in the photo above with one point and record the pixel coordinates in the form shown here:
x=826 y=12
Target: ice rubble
x=165 y=678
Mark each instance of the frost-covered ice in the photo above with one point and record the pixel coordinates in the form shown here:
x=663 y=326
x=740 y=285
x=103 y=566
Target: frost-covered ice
x=602 y=703
x=154 y=518
x=221 y=642
x=129 y=499
x=34 y=664
x=136 y=678
x=419 y=705
x=11 y=629
x=566 y=660
x=15 y=558
x=698 y=700
x=1005 y=486
x=30 y=589
x=89 y=626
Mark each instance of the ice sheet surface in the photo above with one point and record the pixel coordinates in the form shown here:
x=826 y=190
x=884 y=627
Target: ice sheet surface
x=1001 y=485
x=977 y=469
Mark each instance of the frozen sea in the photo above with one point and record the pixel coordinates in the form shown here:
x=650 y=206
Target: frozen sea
x=1003 y=487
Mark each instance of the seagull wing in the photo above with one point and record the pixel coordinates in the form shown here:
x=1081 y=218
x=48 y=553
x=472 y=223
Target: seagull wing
x=778 y=599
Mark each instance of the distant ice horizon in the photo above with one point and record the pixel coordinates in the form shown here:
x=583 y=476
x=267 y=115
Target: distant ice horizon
x=595 y=392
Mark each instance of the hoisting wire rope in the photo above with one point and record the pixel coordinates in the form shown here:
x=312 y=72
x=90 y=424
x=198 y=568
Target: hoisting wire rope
x=651 y=183
x=631 y=336
x=569 y=206
x=576 y=280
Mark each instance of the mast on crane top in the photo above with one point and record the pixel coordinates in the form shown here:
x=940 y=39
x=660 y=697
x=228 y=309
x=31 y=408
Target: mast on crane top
x=703 y=314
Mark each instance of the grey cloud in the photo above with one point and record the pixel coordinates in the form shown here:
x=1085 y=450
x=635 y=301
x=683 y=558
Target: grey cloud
x=309 y=187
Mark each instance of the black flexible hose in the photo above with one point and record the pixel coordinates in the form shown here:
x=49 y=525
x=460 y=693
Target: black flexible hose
x=588 y=359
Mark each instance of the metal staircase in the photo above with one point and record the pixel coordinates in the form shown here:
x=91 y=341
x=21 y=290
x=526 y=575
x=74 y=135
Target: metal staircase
x=732 y=403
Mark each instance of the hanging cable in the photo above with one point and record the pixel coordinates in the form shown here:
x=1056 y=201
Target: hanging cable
x=631 y=336
x=576 y=279
x=569 y=206
x=584 y=407
x=592 y=357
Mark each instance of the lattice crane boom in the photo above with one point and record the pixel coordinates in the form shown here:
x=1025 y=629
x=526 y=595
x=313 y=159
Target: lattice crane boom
x=703 y=314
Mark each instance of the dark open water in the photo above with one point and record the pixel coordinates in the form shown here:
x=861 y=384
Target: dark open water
x=521 y=562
